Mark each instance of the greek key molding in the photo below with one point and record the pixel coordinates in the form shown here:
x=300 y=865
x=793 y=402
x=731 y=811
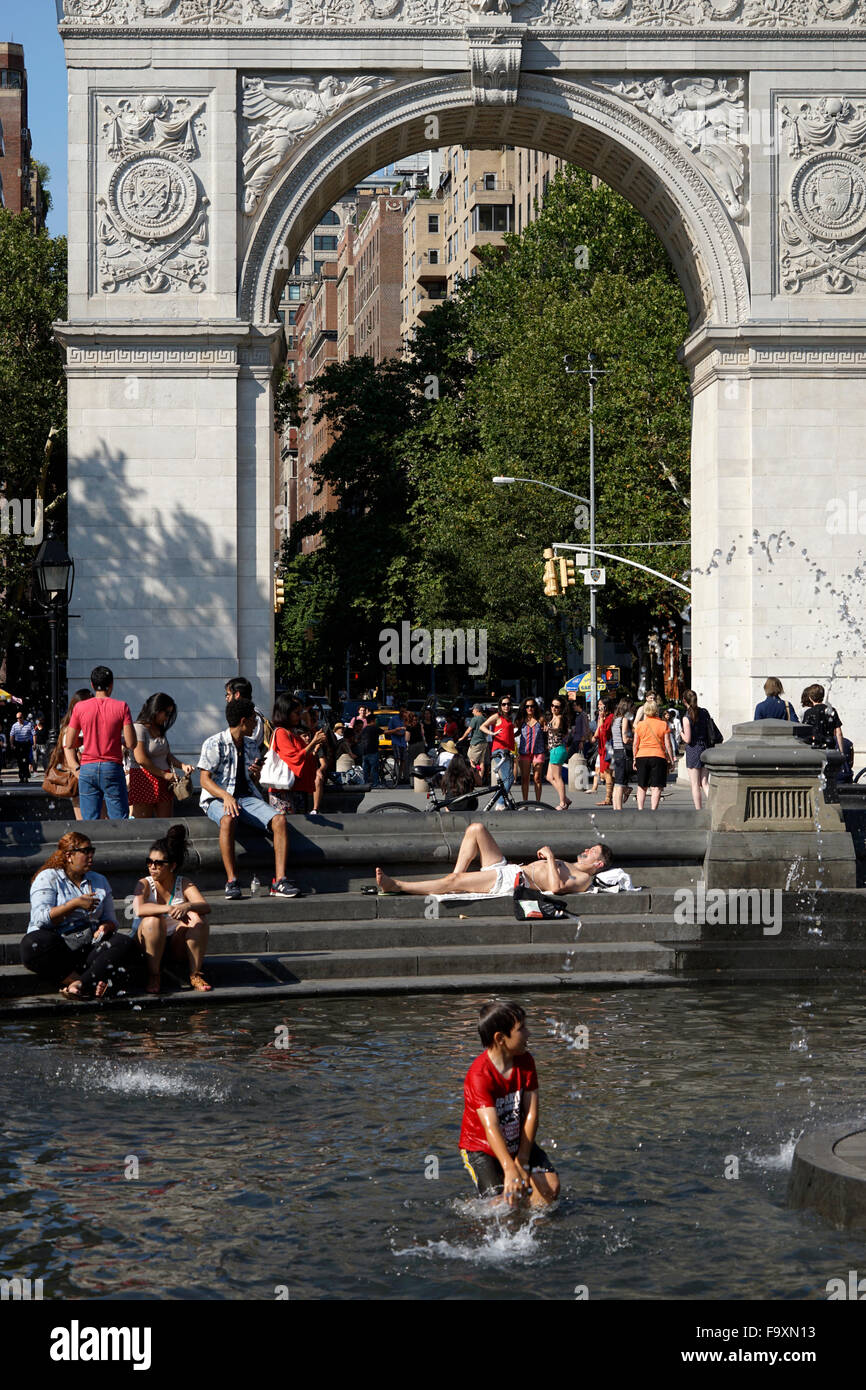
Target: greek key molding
x=149 y=358
x=151 y=209
x=742 y=363
x=821 y=215
x=790 y=18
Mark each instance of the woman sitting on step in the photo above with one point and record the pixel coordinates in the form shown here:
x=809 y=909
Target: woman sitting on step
x=170 y=913
x=73 y=939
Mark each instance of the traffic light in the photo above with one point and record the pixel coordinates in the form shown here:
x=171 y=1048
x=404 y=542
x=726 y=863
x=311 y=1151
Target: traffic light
x=551 y=583
x=279 y=594
x=566 y=572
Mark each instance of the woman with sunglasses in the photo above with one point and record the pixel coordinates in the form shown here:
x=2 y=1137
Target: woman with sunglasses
x=533 y=746
x=501 y=727
x=171 y=916
x=558 y=721
x=73 y=939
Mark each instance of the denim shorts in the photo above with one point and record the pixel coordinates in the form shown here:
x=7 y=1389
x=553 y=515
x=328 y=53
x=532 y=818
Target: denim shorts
x=251 y=811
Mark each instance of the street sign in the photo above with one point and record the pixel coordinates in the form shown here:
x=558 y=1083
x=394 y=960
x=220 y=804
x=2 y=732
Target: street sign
x=603 y=679
x=594 y=577
x=581 y=559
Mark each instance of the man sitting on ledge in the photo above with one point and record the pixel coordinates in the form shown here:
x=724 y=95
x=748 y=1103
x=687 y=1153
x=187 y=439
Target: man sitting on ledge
x=496 y=876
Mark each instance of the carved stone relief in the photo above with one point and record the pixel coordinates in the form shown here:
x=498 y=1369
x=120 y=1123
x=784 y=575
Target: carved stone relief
x=279 y=113
x=822 y=196
x=707 y=115
x=151 y=219
x=494 y=58
x=790 y=15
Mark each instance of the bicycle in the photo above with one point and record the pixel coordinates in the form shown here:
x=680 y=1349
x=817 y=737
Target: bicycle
x=466 y=801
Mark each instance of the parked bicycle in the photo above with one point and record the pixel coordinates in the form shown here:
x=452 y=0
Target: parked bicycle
x=498 y=798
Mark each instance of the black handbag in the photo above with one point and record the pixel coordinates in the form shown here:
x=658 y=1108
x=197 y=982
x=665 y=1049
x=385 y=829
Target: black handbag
x=530 y=904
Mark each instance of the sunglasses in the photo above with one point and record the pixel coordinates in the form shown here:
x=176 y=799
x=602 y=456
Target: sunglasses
x=156 y=863
x=89 y=850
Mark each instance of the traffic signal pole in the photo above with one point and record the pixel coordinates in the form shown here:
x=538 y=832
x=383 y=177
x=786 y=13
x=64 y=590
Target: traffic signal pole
x=593 y=632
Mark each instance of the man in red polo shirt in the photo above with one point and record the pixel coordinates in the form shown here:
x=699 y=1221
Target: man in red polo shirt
x=106 y=727
x=500 y=1114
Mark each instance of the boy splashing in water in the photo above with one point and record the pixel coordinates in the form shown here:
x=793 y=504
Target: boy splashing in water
x=500 y=1114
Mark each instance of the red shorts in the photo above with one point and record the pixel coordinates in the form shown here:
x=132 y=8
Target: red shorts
x=147 y=790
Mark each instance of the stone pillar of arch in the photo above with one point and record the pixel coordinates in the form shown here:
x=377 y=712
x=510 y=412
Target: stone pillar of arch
x=208 y=136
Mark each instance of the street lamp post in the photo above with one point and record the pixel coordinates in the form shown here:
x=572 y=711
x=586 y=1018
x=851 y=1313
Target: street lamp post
x=54 y=576
x=589 y=371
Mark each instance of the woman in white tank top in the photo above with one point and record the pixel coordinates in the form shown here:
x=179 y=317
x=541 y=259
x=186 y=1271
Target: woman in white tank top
x=170 y=913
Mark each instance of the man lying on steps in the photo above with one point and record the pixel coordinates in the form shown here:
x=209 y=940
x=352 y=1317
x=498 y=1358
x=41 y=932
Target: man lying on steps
x=496 y=876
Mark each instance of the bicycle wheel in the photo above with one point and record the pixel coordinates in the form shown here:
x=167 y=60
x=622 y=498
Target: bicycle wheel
x=387 y=808
x=531 y=806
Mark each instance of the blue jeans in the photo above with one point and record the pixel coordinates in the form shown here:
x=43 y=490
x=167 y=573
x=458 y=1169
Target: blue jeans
x=98 y=782
x=371 y=768
x=503 y=764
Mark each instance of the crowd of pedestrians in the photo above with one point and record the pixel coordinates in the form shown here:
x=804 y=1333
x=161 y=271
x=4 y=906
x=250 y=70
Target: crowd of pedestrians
x=258 y=772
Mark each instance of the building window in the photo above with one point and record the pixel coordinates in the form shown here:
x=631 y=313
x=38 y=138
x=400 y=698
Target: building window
x=330 y=219
x=432 y=222
x=489 y=182
x=296 y=268
x=433 y=257
x=11 y=77
x=317 y=267
x=466 y=190
x=294 y=291
x=495 y=218
x=324 y=243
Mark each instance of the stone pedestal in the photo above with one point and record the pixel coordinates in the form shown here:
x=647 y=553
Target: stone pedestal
x=771 y=823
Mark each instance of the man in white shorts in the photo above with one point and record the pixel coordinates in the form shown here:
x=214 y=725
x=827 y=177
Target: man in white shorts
x=496 y=876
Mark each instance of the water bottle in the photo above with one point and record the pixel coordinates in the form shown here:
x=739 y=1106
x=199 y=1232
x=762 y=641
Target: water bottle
x=255 y=885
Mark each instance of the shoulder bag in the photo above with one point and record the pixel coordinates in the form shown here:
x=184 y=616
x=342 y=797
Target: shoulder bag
x=59 y=780
x=275 y=772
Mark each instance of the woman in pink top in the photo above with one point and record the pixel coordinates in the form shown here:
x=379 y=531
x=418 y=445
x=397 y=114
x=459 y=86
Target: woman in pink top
x=653 y=754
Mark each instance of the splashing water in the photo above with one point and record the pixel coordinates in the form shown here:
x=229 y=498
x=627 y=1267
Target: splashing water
x=509 y=1236
x=777 y=1162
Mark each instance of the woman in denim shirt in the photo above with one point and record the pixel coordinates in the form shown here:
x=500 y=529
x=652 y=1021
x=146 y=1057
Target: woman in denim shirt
x=73 y=939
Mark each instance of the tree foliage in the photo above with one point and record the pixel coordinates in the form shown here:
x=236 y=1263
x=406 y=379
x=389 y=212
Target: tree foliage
x=32 y=416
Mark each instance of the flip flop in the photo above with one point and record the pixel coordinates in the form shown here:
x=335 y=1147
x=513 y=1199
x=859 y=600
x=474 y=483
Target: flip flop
x=371 y=890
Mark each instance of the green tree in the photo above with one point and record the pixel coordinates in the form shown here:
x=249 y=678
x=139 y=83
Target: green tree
x=537 y=299
x=33 y=431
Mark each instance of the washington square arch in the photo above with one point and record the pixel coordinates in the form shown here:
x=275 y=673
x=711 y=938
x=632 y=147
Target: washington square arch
x=208 y=137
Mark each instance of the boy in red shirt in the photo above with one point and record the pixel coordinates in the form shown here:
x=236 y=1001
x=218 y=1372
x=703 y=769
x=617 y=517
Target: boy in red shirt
x=500 y=1114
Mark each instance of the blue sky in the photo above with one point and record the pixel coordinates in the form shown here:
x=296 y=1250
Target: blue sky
x=33 y=23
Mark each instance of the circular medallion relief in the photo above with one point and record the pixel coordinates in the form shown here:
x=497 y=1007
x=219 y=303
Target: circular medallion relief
x=829 y=195
x=152 y=195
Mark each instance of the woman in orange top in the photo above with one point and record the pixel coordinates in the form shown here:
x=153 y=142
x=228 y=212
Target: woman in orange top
x=291 y=743
x=653 y=754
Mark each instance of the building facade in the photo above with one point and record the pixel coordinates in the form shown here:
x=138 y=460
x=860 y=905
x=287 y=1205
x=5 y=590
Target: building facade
x=20 y=186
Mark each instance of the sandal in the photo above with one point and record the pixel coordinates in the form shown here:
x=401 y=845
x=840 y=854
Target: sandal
x=101 y=988
x=72 y=990
x=199 y=982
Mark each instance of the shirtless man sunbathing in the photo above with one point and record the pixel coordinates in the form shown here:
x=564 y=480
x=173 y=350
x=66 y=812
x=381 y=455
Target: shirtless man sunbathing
x=496 y=876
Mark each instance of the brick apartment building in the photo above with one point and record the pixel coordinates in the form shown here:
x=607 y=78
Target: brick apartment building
x=20 y=188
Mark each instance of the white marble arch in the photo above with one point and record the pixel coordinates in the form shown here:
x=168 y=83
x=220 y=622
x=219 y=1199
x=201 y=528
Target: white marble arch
x=569 y=118
x=172 y=337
